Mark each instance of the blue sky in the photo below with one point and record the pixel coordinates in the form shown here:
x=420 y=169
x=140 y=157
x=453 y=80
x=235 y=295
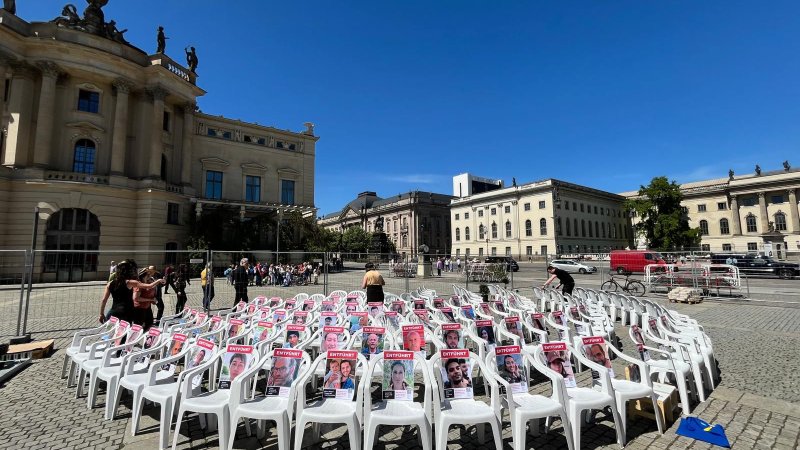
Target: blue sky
x=407 y=94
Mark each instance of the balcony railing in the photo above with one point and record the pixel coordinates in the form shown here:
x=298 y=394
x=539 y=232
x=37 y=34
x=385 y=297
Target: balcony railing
x=165 y=61
x=75 y=177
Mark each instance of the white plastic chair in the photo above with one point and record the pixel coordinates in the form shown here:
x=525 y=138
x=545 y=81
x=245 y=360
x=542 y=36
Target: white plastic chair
x=464 y=411
x=397 y=412
x=329 y=410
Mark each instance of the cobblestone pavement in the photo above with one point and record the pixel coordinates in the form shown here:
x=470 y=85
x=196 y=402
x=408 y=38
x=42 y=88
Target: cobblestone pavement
x=758 y=400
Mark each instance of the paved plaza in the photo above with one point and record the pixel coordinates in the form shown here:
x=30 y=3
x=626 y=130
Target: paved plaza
x=758 y=400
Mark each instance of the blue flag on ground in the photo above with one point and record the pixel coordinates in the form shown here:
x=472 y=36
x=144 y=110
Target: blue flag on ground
x=696 y=428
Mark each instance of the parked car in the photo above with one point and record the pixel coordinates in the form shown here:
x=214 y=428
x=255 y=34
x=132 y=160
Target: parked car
x=571 y=266
x=755 y=264
x=511 y=265
x=623 y=261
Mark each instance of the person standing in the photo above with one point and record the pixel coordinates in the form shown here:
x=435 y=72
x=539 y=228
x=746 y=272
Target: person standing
x=373 y=283
x=239 y=278
x=207 y=283
x=168 y=271
x=120 y=289
x=566 y=282
x=439 y=265
x=153 y=275
x=180 y=280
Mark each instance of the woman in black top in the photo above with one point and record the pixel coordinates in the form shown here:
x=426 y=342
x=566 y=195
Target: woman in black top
x=179 y=282
x=120 y=289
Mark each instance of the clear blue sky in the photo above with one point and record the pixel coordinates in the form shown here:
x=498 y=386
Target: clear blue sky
x=406 y=94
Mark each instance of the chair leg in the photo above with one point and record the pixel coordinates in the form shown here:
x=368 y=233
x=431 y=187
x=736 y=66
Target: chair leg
x=234 y=425
x=441 y=435
x=424 y=434
x=698 y=381
x=658 y=413
x=112 y=390
x=496 y=431
x=299 y=432
x=224 y=421
x=370 y=430
x=683 y=392
x=91 y=398
x=79 y=392
x=283 y=432
x=618 y=424
x=64 y=366
x=576 y=423
x=177 y=432
x=567 y=430
x=622 y=409
x=518 y=433
x=136 y=413
x=354 y=432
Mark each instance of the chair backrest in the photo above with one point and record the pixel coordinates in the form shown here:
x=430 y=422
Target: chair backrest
x=452 y=372
x=397 y=364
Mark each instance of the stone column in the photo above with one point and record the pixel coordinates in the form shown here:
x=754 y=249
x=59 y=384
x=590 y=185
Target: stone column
x=20 y=111
x=3 y=72
x=42 y=150
x=794 y=217
x=736 y=222
x=158 y=94
x=186 y=146
x=120 y=133
x=762 y=212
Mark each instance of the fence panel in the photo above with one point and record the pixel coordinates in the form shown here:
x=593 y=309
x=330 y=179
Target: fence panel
x=69 y=284
x=12 y=273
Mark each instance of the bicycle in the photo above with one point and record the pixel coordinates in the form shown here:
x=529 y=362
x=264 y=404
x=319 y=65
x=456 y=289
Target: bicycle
x=633 y=287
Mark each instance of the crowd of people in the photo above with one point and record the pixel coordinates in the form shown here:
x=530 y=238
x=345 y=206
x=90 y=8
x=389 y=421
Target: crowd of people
x=263 y=274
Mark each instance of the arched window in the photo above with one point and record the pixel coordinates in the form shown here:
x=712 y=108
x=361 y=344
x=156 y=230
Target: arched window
x=494 y=230
x=458 y=234
x=703 y=227
x=750 y=220
x=528 y=226
x=780 y=221
x=481 y=232
x=72 y=229
x=543 y=226
x=724 y=228
x=83 y=156
x=508 y=228
x=466 y=233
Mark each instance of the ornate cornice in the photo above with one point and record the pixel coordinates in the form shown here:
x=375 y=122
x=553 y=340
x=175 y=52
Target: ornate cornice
x=123 y=85
x=49 y=69
x=157 y=92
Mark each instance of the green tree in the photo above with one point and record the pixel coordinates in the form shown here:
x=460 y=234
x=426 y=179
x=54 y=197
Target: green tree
x=356 y=240
x=661 y=217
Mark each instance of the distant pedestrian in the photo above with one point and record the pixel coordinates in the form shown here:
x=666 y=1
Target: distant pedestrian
x=168 y=271
x=239 y=278
x=439 y=265
x=180 y=280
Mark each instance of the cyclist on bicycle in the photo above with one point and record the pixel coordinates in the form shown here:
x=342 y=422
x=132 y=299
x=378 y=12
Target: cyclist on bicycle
x=566 y=282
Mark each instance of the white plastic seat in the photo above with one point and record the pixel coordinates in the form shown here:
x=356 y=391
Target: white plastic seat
x=110 y=365
x=464 y=411
x=74 y=346
x=397 y=412
x=329 y=410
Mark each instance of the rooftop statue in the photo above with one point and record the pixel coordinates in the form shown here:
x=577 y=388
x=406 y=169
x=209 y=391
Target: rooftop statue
x=786 y=165
x=758 y=169
x=10 y=6
x=161 y=41
x=191 y=59
x=93 y=21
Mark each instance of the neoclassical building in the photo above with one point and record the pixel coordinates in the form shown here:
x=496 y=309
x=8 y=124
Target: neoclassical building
x=106 y=140
x=756 y=212
x=540 y=218
x=409 y=220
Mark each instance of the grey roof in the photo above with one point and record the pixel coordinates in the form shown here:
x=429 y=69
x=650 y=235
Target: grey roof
x=371 y=200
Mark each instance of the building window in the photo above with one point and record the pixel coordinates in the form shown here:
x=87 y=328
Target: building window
x=726 y=247
x=542 y=204
x=71 y=229
x=494 y=211
x=722 y=206
x=528 y=250
x=750 y=220
x=466 y=233
x=704 y=228
x=566 y=205
x=603 y=229
x=508 y=251
x=83 y=156
x=466 y=254
x=528 y=230
x=777 y=199
x=527 y=206
x=456 y=216
x=568 y=228
x=595 y=209
x=494 y=231
x=543 y=227
x=780 y=221
x=458 y=253
x=287 y=192
x=507 y=209
x=752 y=246
x=466 y=215
x=494 y=251
x=590 y=230
x=750 y=200
x=458 y=234
x=581 y=207
x=480 y=213
x=173 y=213
x=723 y=227
x=705 y=247
x=558 y=226
x=508 y=228
x=481 y=232
x=480 y=251
x=213 y=184
x=165 y=121
x=701 y=208
x=88 y=101
x=252 y=189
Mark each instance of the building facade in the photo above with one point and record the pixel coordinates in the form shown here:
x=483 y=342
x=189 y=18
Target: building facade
x=106 y=140
x=755 y=212
x=409 y=220
x=540 y=218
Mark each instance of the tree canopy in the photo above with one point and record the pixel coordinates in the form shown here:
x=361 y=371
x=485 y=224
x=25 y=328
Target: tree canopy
x=661 y=218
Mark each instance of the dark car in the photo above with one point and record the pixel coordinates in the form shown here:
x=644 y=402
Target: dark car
x=511 y=265
x=755 y=264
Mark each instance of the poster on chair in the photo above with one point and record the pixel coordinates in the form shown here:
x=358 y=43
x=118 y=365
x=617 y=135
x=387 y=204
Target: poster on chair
x=485 y=330
x=328 y=319
x=511 y=368
x=202 y=351
x=340 y=372
x=122 y=328
x=456 y=373
x=372 y=341
x=453 y=336
x=153 y=335
x=358 y=320
x=331 y=338
x=398 y=375
x=447 y=313
x=514 y=326
x=398 y=306
x=236 y=360
x=558 y=319
x=260 y=332
x=596 y=349
x=558 y=360
x=236 y=326
x=285 y=362
x=644 y=355
x=375 y=309
x=293 y=333
x=414 y=339
x=300 y=317
x=176 y=345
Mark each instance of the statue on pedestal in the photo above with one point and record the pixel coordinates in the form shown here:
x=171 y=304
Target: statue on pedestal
x=161 y=41
x=758 y=170
x=786 y=165
x=191 y=59
x=730 y=174
x=10 y=6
